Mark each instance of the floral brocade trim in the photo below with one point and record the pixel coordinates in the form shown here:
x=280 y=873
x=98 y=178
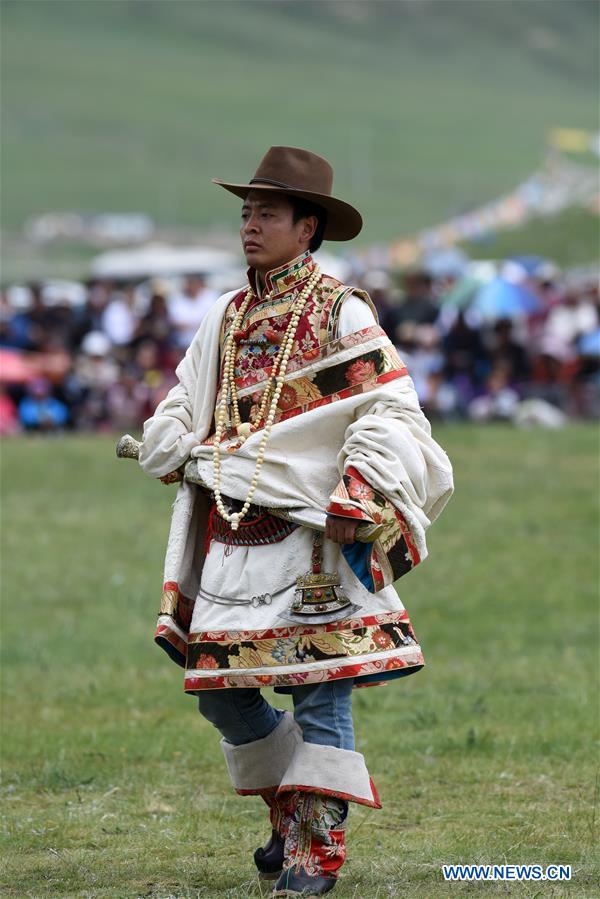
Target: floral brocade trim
x=299 y=650
x=395 y=547
x=338 y=642
x=374 y=802
x=315 y=839
x=304 y=630
x=292 y=273
x=177 y=606
x=300 y=395
x=167 y=637
x=195 y=682
x=312 y=356
x=265 y=323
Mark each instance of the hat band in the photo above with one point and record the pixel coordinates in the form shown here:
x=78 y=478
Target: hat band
x=273 y=183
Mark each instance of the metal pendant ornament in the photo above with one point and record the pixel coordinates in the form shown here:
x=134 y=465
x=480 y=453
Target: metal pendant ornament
x=320 y=596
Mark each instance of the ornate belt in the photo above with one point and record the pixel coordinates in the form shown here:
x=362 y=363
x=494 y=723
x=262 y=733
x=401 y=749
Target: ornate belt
x=258 y=528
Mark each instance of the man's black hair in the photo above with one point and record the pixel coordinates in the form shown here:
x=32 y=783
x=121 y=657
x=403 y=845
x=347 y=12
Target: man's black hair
x=301 y=209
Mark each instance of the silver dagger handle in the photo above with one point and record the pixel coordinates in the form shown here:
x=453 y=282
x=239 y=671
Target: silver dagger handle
x=128 y=447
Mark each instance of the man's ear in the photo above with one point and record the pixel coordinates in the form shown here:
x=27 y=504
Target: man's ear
x=309 y=226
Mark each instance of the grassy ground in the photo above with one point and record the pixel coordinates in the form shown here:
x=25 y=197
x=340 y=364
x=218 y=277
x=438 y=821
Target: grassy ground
x=115 y=787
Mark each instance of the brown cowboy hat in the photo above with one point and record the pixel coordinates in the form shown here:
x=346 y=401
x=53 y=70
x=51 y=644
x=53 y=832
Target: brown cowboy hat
x=289 y=170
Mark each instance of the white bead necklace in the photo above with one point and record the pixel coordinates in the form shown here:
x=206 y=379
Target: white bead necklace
x=272 y=391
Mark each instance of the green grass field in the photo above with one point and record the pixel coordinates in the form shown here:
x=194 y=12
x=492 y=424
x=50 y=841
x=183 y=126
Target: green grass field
x=425 y=108
x=115 y=787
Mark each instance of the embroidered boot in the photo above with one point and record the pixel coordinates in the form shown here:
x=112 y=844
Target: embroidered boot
x=315 y=848
x=256 y=769
x=322 y=780
x=269 y=858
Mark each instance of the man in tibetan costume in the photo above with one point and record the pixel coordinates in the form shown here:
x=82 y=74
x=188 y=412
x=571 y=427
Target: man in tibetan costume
x=309 y=479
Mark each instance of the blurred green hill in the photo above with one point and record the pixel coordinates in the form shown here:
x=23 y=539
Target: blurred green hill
x=571 y=238
x=425 y=108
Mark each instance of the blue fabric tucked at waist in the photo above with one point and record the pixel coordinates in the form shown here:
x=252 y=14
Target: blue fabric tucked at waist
x=357 y=556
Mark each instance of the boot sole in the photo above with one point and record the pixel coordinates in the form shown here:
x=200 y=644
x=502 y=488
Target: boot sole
x=262 y=875
x=296 y=894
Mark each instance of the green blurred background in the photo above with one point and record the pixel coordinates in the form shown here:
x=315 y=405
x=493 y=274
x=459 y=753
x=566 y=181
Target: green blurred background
x=426 y=108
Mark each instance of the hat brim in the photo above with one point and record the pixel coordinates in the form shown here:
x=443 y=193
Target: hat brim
x=344 y=222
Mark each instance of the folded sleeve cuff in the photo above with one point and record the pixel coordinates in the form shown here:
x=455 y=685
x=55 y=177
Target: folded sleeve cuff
x=394 y=553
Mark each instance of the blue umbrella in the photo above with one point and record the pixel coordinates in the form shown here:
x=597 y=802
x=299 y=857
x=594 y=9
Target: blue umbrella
x=533 y=266
x=503 y=299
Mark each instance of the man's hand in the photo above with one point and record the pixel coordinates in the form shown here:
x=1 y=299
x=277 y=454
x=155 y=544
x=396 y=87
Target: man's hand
x=172 y=478
x=340 y=530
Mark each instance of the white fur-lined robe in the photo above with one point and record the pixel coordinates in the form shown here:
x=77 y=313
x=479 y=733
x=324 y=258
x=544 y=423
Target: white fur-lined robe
x=365 y=452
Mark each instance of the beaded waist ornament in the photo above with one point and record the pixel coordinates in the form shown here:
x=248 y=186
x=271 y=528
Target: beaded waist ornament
x=257 y=529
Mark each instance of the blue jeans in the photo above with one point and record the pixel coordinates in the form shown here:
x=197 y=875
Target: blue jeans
x=323 y=711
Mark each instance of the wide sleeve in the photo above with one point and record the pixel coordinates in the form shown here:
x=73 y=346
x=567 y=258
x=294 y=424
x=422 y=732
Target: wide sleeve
x=168 y=436
x=393 y=475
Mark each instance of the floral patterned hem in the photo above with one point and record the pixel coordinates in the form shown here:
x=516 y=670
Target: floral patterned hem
x=197 y=680
x=372 y=646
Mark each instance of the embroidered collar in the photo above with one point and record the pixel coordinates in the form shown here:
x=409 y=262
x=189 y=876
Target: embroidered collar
x=291 y=275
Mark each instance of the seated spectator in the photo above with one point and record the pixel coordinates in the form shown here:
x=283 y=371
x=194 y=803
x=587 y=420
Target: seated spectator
x=95 y=371
x=426 y=362
x=466 y=367
x=53 y=359
x=39 y=410
x=119 y=319
x=157 y=328
x=418 y=306
x=157 y=379
x=572 y=318
x=27 y=328
x=465 y=352
x=187 y=309
x=504 y=350
x=62 y=325
x=500 y=399
x=551 y=373
x=9 y=417
x=89 y=316
x=129 y=401
x=586 y=385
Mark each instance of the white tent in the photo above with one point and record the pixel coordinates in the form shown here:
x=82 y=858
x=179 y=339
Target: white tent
x=162 y=260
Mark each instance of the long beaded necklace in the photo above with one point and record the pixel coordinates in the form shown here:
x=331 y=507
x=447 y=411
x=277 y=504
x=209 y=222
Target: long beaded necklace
x=270 y=398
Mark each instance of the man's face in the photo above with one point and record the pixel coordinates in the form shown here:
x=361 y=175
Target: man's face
x=270 y=237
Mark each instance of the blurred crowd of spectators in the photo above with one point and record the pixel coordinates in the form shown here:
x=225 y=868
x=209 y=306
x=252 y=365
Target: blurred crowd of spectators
x=104 y=364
